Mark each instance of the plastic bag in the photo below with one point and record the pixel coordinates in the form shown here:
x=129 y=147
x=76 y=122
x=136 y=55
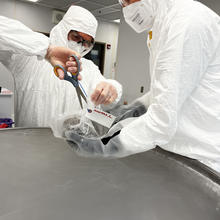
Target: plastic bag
x=79 y=124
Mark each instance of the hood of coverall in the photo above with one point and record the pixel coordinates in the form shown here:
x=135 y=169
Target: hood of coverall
x=76 y=18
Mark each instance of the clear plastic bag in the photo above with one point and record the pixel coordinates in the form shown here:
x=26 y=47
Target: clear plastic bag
x=77 y=123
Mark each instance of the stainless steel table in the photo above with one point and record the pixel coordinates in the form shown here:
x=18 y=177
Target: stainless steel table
x=43 y=179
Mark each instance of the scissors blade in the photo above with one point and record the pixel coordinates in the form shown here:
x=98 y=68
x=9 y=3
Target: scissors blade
x=79 y=97
x=80 y=94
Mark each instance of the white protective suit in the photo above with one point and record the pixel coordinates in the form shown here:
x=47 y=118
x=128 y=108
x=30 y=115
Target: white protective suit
x=40 y=96
x=184 y=98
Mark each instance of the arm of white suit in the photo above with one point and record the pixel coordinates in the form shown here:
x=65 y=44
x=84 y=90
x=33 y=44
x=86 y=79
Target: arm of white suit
x=179 y=67
x=16 y=38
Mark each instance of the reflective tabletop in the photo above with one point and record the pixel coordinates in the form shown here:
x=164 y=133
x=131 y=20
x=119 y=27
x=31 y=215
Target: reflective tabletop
x=43 y=179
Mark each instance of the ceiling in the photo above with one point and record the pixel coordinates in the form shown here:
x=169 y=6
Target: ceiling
x=106 y=10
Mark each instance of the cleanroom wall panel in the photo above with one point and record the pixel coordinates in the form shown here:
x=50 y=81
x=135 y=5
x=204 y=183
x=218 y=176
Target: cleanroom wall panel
x=132 y=69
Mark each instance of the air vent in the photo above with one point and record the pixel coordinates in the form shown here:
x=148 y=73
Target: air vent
x=57 y=16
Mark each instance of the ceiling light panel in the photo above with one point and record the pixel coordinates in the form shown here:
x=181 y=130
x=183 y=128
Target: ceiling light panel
x=32 y=0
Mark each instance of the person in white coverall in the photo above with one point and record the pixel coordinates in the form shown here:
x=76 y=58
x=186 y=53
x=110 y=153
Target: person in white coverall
x=40 y=96
x=183 y=114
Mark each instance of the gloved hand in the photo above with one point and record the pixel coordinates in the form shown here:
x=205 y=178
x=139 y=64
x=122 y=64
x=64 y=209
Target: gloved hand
x=107 y=147
x=61 y=56
x=105 y=93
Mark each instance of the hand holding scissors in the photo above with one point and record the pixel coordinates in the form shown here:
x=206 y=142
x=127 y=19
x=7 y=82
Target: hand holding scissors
x=61 y=55
x=73 y=78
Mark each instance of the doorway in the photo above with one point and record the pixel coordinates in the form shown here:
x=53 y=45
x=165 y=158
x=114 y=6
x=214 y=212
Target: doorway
x=97 y=55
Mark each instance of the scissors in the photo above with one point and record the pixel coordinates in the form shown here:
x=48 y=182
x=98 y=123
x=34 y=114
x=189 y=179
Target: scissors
x=72 y=78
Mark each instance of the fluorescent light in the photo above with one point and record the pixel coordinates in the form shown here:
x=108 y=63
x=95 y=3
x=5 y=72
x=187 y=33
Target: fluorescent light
x=32 y=0
x=117 y=20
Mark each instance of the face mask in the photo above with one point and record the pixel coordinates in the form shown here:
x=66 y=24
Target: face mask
x=73 y=45
x=139 y=15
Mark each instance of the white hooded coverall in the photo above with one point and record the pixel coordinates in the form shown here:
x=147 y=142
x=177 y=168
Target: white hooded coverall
x=40 y=96
x=184 y=98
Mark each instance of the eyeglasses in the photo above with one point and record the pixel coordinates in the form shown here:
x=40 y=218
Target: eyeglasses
x=79 y=39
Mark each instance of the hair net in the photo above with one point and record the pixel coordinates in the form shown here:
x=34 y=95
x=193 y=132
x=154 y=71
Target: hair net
x=76 y=18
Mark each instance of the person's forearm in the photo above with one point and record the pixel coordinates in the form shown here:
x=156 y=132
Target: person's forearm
x=16 y=38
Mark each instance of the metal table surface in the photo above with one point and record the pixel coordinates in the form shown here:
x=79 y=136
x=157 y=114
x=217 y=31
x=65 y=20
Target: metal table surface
x=43 y=179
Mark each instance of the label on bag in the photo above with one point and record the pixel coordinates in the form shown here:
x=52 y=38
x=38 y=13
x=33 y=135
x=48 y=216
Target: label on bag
x=100 y=117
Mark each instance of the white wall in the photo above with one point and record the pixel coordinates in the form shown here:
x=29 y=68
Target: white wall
x=108 y=33
x=38 y=18
x=132 y=69
x=132 y=60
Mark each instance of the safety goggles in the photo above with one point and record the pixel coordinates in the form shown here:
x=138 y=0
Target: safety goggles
x=79 y=39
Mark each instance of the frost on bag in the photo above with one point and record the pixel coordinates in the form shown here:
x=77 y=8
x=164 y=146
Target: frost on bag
x=77 y=123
